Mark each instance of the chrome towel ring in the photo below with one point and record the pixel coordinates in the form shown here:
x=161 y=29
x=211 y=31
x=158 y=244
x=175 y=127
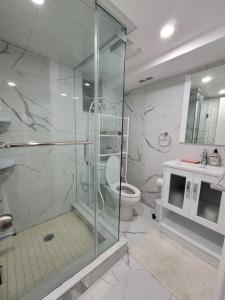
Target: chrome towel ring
x=164 y=140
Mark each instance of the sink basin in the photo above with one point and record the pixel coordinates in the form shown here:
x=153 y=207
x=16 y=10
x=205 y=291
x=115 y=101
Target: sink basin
x=6 y=168
x=5 y=122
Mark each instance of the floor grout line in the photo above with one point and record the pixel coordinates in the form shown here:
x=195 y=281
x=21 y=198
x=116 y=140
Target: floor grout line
x=28 y=260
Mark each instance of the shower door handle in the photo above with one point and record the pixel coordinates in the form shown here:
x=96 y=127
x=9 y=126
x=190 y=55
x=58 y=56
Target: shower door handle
x=43 y=144
x=86 y=154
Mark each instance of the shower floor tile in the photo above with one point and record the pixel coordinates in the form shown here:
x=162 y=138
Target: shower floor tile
x=28 y=259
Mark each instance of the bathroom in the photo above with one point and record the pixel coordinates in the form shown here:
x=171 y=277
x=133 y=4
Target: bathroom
x=112 y=150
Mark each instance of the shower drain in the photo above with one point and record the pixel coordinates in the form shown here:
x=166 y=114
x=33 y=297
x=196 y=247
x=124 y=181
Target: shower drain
x=48 y=237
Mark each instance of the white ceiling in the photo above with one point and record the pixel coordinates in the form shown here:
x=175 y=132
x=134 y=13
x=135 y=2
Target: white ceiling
x=64 y=31
x=198 y=24
x=60 y=30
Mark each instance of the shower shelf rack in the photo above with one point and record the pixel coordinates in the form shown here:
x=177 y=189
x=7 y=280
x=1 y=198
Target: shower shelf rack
x=104 y=114
x=125 y=142
x=125 y=137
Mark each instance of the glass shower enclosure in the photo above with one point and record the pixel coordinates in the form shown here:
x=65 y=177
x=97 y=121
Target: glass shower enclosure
x=61 y=123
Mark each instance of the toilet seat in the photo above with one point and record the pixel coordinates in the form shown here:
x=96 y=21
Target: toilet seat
x=127 y=190
x=112 y=173
x=130 y=195
x=112 y=170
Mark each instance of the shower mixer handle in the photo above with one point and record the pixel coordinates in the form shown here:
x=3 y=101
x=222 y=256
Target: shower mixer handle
x=6 y=221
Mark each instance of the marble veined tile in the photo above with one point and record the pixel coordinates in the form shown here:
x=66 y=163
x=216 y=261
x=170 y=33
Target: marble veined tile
x=142 y=222
x=127 y=280
x=42 y=184
x=155 y=109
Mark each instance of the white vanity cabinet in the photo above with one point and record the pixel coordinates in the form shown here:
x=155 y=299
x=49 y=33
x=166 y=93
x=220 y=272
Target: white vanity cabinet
x=192 y=212
x=207 y=204
x=187 y=192
x=177 y=190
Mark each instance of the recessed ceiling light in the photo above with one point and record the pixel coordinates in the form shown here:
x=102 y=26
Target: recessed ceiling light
x=167 y=31
x=64 y=94
x=222 y=92
x=87 y=84
x=39 y=2
x=206 y=79
x=10 y=83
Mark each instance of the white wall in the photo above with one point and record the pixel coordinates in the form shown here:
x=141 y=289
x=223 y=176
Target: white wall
x=154 y=109
x=42 y=184
x=220 y=135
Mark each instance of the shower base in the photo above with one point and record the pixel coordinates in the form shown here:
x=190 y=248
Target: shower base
x=37 y=254
x=79 y=283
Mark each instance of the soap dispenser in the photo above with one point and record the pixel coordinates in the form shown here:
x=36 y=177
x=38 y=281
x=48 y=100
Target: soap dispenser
x=214 y=159
x=204 y=158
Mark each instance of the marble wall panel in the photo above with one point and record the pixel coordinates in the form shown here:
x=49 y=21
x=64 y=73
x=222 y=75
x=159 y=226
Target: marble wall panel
x=153 y=110
x=42 y=184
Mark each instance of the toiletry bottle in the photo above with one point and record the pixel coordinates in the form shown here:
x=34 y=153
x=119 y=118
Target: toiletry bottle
x=214 y=159
x=204 y=158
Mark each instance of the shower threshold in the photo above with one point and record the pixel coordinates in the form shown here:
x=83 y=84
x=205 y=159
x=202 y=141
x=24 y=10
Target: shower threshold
x=79 y=283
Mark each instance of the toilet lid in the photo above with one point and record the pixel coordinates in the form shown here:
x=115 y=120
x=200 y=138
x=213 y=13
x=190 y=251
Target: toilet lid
x=112 y=170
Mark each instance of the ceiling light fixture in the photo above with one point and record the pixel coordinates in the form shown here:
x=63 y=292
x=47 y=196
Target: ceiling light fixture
x=206 y=79
x=87 y=84
x=221 y=92
x=63 y=94
x=10 y=83
x=167 y=31
x=38 y=2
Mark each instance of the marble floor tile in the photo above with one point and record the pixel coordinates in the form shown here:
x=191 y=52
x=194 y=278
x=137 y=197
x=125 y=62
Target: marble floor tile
x=133 y=231
x=36 y=254
x=127 y=279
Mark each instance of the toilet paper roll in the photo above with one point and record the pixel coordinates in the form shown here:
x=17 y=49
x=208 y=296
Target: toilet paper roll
x=159 y=181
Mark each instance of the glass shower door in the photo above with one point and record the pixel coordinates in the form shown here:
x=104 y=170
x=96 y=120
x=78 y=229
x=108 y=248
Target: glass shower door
x=111 y=46
x=61 y=82
x=99 y=117
x=39 y=48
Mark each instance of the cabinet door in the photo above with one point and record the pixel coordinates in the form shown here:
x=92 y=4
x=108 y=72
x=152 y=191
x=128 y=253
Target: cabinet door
x=208 y=205
x=177 y=190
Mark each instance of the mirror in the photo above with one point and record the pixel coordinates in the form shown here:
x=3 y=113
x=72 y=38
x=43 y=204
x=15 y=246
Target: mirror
x=203 y=117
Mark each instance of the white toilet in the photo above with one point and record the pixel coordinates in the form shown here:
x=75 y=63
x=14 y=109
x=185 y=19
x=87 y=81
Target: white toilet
x=130 y=195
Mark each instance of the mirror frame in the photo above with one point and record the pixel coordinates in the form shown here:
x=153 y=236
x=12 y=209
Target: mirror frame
x=185 y=107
